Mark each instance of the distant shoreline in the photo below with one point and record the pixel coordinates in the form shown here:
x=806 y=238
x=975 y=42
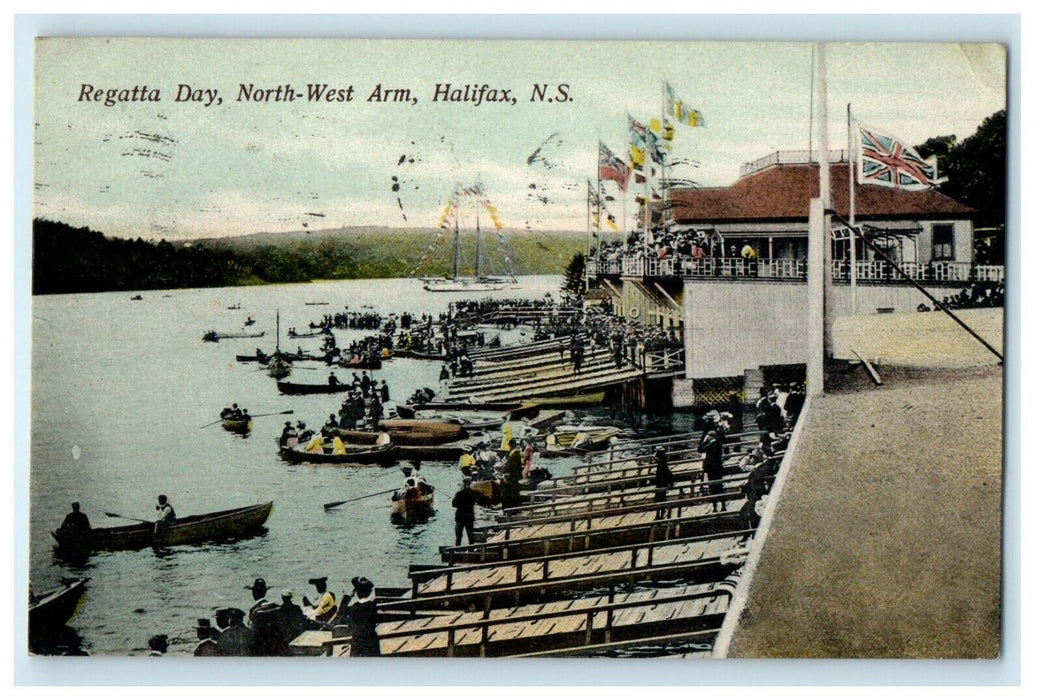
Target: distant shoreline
x=69 y=260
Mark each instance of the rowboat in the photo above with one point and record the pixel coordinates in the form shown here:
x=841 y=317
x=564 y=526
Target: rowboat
x=55 y=607
x=462 y=406
x=294 y=388
x=361 y=362
x=581 y=437
x=354 y=454
x=279 y=368
x=421 y=355
x=594 y=399
x=222 y=525
x=237 y=425
x=214 y=336
x=262 y=358
x=447 y=451
x=407 y=432
x=411 y=504
x=317 y=334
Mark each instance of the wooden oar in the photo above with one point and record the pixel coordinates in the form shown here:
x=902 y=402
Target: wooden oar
x=259 y=415
x=117 y=515
x=334 y=504
x=280 y=413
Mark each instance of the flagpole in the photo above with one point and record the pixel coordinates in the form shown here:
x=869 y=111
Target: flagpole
x=597 y=217
x=665 y=159
x=588 y=228
x=853 y=209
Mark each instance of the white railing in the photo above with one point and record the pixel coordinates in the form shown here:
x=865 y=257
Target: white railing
x=990 y=273
x=789 y=269
x=664 y=359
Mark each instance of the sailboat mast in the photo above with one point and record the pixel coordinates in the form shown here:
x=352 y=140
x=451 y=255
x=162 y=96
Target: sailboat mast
x=277 y=333
x=455 y=243
x=477 y=229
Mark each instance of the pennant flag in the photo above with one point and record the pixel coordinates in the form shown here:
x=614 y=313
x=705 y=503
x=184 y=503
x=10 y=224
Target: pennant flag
x=885 y=161
x=681 y=112
x=611 y=167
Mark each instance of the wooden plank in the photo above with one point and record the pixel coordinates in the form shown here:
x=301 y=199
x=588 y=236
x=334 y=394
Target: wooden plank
x=868 y=366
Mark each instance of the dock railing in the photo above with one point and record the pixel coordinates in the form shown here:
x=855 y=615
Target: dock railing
x=794 y=269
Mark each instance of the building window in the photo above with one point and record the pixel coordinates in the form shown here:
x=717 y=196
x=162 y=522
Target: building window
x=943 y=241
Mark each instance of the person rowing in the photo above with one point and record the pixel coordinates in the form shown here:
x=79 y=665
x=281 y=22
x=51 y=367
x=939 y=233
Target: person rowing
x=167 y=517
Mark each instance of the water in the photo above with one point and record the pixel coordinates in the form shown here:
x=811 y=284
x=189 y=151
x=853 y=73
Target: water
x=120 y=389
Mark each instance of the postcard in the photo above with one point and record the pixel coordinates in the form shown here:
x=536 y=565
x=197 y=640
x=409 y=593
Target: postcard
x=610 y=349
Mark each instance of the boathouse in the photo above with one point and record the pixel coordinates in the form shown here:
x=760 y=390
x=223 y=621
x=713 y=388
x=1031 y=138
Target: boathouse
x=743 y=316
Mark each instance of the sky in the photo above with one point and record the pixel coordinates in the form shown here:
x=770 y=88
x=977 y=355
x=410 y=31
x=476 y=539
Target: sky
x=181 y=169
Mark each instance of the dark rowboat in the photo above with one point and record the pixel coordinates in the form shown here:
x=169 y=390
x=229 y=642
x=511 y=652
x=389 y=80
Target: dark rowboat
x=262 y=359
x=214 y=336
x=54 y=608
x=355 y=454
x=294 y=388
x=222 y=525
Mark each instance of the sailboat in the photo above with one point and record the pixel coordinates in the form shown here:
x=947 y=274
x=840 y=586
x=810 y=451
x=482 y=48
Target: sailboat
x=279 y=367
x=477 y=283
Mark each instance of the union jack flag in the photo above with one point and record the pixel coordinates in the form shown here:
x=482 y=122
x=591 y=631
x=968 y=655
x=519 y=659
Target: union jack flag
x=611 y=167
x=885 y=161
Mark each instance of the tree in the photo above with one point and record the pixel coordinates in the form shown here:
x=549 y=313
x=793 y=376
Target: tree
x=575 y=276
x=975 y=168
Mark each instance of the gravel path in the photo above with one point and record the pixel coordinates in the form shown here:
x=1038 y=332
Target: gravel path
x=887 y=538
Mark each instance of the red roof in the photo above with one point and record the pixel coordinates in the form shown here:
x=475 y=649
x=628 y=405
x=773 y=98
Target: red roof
x=783 y=192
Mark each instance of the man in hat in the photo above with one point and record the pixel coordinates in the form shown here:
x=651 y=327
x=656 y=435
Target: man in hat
x=364 y=640
x=326 y=607
x=463 y=502
x=237 y=639
x=207 y=635
x=259 y=589
x=289 y=436
x=713 y=466
x=663 y=479
x=76 y=524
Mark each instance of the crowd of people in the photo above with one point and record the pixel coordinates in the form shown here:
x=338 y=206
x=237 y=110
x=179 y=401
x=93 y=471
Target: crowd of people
x=979 y=295
x=268 y=627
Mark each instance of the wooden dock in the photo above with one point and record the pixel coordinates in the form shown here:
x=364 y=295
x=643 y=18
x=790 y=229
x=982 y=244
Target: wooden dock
x=591 y=566
x=537 y=370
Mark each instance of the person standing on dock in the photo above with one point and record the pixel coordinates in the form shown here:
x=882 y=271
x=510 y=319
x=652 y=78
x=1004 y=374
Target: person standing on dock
x=713 y=466
x=385 y=392
x=364 y=638
x=663 y=480
x=463 y=502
